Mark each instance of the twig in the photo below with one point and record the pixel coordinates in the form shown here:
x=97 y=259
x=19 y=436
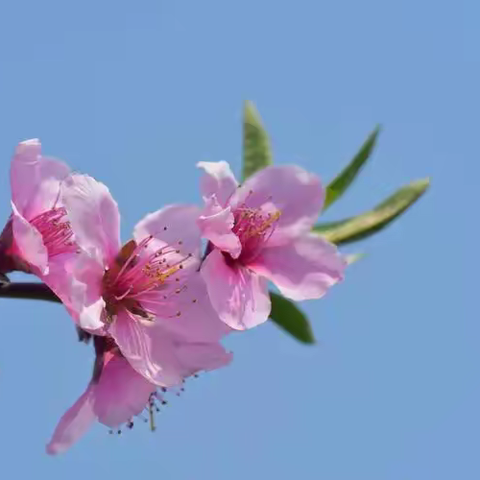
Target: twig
x=28 y=290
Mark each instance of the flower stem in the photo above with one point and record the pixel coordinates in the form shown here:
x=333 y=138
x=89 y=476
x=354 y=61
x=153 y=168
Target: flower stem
x=28 y=290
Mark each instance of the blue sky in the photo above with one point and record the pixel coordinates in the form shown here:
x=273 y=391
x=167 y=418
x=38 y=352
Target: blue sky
x=135 y=93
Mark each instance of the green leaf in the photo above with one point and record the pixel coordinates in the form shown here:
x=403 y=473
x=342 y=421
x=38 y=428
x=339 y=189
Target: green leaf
x=359 y=227
x=354 y=257
x=288 y=317
x=256 y=145
x=338 y=186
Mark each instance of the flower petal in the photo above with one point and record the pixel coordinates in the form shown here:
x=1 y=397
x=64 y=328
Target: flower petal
x=216 y=225
x=198 y=321
x=93 y=214
x=121 y=393
x=91 y=315
x=73 y=424
x=239 y=296
x=218 y=180
x=35 y=181
x=181 y=357
x=29 y=243
x=173 y=225
x=303 y=270
x=196 y=357
x=290 y=190
x=60 y=277
x=137 y=343
x=86 y=293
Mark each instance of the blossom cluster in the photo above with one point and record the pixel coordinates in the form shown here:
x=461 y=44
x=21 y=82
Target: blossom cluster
x=159 y=305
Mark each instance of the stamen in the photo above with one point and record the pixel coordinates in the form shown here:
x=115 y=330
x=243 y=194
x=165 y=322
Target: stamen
x=151 y=416
x=135 y=278
x=131 y=256
x=57 y=234
x=123 y=295
x=254 y=228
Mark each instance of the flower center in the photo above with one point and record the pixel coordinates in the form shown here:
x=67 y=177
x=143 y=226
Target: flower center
x=253 y=227
x=56 y=231
x=136 y=278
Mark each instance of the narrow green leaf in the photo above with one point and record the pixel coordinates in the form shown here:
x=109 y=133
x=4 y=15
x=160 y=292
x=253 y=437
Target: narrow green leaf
x=354 y=257
x=291 y=319
x=256 y=145
x=337 y=187
x=359 y=227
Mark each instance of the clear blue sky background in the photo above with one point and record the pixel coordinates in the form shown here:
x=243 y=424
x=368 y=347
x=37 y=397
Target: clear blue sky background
x=135 y=93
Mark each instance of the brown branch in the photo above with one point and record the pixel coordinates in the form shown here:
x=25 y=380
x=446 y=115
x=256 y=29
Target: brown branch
x=28 y=290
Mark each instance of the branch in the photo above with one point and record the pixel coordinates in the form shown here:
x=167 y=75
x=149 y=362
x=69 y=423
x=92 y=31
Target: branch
x=28 y=290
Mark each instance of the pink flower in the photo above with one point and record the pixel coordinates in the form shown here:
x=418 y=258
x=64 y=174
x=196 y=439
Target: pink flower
x=146 y=295
x=260 y=231
x=117 y=393
x=38 y=238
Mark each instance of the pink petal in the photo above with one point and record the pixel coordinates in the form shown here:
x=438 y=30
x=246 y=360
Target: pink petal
x=137 y=343
x=179 y=356
x=93 y=214
x=196 y=357
x=174 y=225
x=91 y=315
x=160 y=355
x=198 y=321
x=302 y=270
x=60 y=277
x=35 y=181
x=73 y=424
x=239 y=296
x=216 y=225
x=29 y=242
x=290 y=190
x=24 y=172
x=85 y=296
x=218 y=180
x=121 y=393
